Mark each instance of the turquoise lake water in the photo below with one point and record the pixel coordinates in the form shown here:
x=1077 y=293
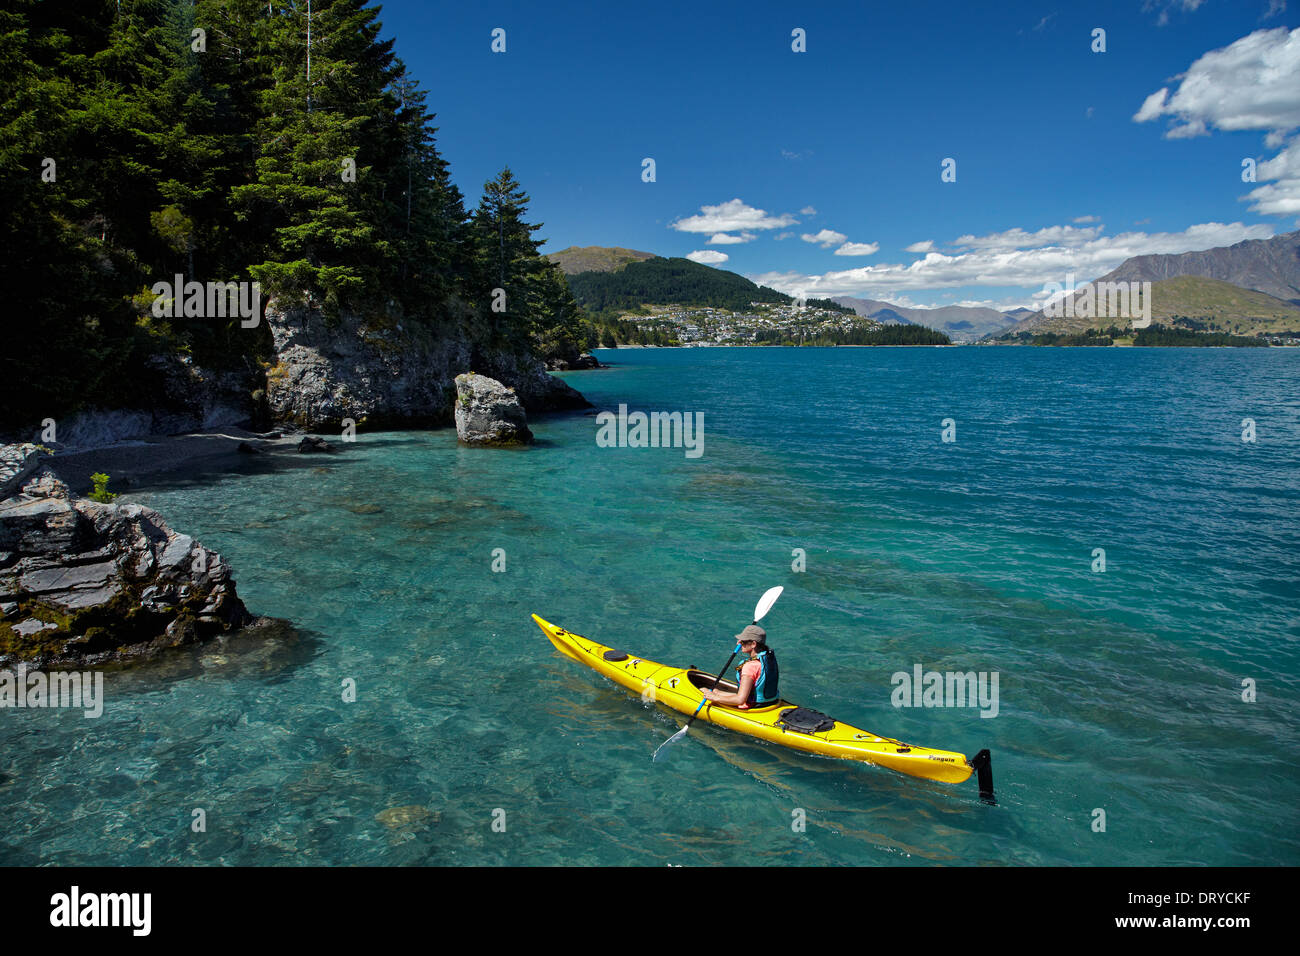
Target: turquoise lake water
x=1119 y=690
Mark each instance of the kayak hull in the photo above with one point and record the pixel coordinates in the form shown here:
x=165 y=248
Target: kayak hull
x=675 y=687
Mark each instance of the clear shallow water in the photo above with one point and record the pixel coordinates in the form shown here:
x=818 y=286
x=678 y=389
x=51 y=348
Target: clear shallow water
x=1118 y=691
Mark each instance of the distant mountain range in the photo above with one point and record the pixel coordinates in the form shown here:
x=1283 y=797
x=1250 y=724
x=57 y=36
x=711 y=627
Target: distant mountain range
x=1252 y=286
x=1189 y=302
x=961 y=323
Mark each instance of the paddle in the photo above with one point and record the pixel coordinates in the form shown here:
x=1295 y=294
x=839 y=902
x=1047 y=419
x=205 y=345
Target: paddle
x=760 y=611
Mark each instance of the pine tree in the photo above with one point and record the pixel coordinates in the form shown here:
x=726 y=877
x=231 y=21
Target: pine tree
x=506 y=257
x=313 y=160
x=70 y=99
x=426 y=219
x=558 y=330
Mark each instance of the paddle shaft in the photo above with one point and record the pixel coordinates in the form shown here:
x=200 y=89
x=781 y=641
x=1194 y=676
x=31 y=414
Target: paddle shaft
x=717 y=680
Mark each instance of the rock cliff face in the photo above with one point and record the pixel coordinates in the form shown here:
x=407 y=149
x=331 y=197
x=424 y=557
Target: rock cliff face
x=329 y=370
x=324 y=371
x=89 y=583
x=175 y=396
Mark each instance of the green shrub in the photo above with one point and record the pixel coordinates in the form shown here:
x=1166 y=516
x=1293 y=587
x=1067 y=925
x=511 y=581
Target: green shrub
x=101 y=492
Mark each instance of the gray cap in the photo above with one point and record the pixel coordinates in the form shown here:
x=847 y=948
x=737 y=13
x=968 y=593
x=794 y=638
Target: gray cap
x=752 y=633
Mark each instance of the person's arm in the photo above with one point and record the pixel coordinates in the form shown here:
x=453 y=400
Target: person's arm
x=736 y=699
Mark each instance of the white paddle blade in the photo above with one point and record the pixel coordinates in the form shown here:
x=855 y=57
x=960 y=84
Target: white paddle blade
x=765 y=603
x=671 y=740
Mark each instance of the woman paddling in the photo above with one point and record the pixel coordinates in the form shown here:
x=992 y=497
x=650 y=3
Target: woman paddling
x=756 y=677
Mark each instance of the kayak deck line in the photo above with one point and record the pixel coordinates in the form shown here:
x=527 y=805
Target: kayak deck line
x=679 y=689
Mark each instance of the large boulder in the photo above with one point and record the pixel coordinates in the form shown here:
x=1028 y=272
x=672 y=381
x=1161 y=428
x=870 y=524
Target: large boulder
x=87 y=582
x=488 y=413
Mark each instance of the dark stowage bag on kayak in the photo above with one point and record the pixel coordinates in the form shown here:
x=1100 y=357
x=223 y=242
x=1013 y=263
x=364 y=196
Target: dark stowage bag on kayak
x=804 y=720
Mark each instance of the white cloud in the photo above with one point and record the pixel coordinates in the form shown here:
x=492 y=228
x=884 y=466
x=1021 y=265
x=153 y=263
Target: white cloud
x=782 y=235
x=731 y=216
x=925 y=245
x=902 y=299
x=1087 y=219
x=1152 y=106
x=826 y=238
x=807 y=211
x=1253 y=83
x=708 y=257
x=1019 y=239
x=1188 y=130
x=727 y=239
x=1281 y=198
x=858 y=249
x=993 y=263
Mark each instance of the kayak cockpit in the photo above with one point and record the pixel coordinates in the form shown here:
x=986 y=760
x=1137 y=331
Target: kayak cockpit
x=703 y=681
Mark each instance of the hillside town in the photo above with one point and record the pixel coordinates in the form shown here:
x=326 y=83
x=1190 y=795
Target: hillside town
x=764 y=322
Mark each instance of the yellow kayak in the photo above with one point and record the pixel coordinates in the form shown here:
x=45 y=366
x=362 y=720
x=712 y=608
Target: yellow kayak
x=679 y=688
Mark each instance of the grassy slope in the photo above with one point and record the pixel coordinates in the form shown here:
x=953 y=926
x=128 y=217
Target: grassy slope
x=577 y=259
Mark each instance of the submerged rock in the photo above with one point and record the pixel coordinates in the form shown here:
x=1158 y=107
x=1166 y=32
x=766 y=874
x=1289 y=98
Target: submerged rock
x=313 y=444
x=89 y=582
x=413 y=815
x=488 y=413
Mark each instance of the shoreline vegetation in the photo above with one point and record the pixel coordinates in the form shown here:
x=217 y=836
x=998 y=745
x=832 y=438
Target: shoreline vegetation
x=136 y=157
x=1156 y=335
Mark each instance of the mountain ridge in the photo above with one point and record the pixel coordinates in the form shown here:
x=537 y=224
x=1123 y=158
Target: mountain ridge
x=1194 y=303
x=1267 y=266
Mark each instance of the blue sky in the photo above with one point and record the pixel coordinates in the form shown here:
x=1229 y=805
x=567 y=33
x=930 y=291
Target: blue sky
x=820 y=171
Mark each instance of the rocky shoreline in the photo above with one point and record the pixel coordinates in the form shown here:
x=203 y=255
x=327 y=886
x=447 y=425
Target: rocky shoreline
x=342 y=369
x=89 y=583
x=92 y=582
x=86 y=582
x=325 y=373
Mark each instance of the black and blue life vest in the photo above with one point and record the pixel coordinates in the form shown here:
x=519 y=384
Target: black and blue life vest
x=764 y=690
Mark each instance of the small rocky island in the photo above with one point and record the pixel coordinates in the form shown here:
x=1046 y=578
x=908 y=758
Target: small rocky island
x=84 y=582
x=489 y=413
